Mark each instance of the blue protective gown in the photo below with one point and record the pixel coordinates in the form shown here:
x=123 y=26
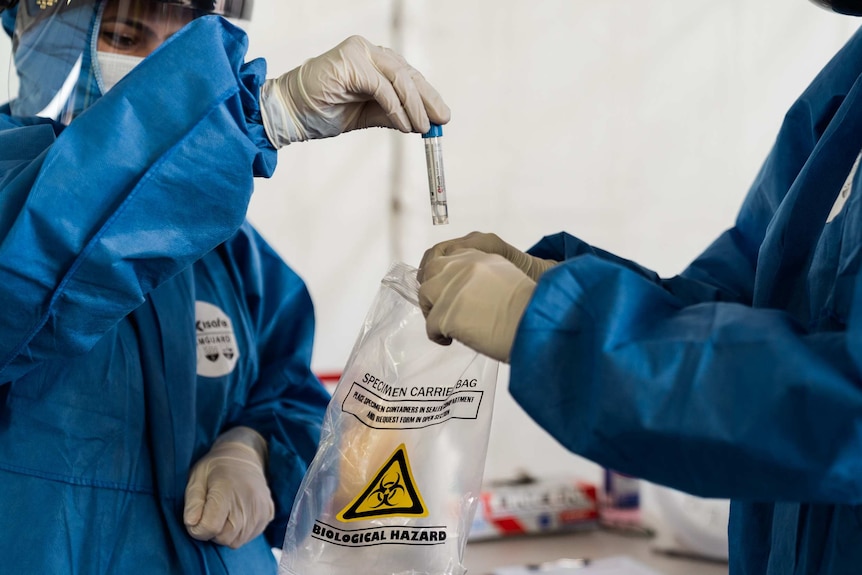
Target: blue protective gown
x=113 y=232
x=741 y=377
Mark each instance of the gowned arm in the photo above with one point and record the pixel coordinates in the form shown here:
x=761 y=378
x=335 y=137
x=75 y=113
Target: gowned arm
x=145 y=182
x=717 y=399
x=724 y=272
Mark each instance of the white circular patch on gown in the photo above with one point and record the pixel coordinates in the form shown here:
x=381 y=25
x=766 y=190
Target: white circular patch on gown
x=217 y=346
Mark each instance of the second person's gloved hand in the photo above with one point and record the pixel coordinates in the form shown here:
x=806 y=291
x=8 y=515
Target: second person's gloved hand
x=354 y=85
x=490 y=244
x=476 y=298
x=227 y=497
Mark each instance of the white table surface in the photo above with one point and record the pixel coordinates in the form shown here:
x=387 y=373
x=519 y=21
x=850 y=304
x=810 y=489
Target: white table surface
x=482 y=557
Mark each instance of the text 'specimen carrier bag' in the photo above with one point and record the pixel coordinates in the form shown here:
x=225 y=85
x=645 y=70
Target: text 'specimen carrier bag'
x=395 y=482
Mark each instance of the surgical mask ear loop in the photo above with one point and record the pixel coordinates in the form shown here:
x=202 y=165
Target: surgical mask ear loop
x=94 y=48
x=10 y=65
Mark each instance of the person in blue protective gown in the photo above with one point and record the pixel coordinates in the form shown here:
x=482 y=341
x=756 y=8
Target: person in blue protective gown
x=157 y=407
x=740 y=378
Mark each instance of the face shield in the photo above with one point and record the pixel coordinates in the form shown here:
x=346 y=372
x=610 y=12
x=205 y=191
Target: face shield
x=68 y=53
x=849 y=7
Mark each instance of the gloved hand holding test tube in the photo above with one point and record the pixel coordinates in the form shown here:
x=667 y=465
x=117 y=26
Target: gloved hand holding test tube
x=436 y=177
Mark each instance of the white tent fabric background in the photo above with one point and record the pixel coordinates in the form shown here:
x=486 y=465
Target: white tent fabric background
x=635 y=124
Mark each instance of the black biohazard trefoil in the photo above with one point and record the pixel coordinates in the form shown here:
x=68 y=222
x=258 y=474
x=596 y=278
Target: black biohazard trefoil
x=392 y=492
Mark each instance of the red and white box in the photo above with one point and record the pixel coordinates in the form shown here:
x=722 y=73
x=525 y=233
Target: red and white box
x=535 y=506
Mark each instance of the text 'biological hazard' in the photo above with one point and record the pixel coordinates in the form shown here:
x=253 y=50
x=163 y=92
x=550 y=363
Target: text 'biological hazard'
x=391 y=493
x=403 y=535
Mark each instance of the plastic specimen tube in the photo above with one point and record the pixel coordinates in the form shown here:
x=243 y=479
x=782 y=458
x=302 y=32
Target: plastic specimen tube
x=436 y=177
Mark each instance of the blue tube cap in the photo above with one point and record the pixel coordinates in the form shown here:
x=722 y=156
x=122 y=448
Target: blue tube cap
x=435 y=132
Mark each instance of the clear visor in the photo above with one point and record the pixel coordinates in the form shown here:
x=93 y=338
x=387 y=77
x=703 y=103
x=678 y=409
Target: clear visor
x=31 y=10
x=67 y=53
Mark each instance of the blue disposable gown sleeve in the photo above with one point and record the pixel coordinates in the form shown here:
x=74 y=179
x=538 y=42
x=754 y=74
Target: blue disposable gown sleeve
x=725 y=272
x=287 y=402
x=718 y=399
x=683 y=382
x=147 y=180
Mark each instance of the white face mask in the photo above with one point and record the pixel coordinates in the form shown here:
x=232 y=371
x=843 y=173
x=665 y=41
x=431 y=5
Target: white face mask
x=112 y=68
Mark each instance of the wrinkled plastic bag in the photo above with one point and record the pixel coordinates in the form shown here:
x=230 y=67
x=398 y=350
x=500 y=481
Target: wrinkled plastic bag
x=396 y=479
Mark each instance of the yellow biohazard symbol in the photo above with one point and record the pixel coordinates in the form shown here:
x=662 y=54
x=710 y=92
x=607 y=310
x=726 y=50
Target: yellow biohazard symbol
x=392 y=492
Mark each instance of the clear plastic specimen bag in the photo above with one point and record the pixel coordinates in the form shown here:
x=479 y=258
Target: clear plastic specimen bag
x=395 y=482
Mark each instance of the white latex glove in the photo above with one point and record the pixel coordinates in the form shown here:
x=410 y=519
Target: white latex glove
x=490 y=244
x=227 y=497
x=354 y=85
x=476 y=298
